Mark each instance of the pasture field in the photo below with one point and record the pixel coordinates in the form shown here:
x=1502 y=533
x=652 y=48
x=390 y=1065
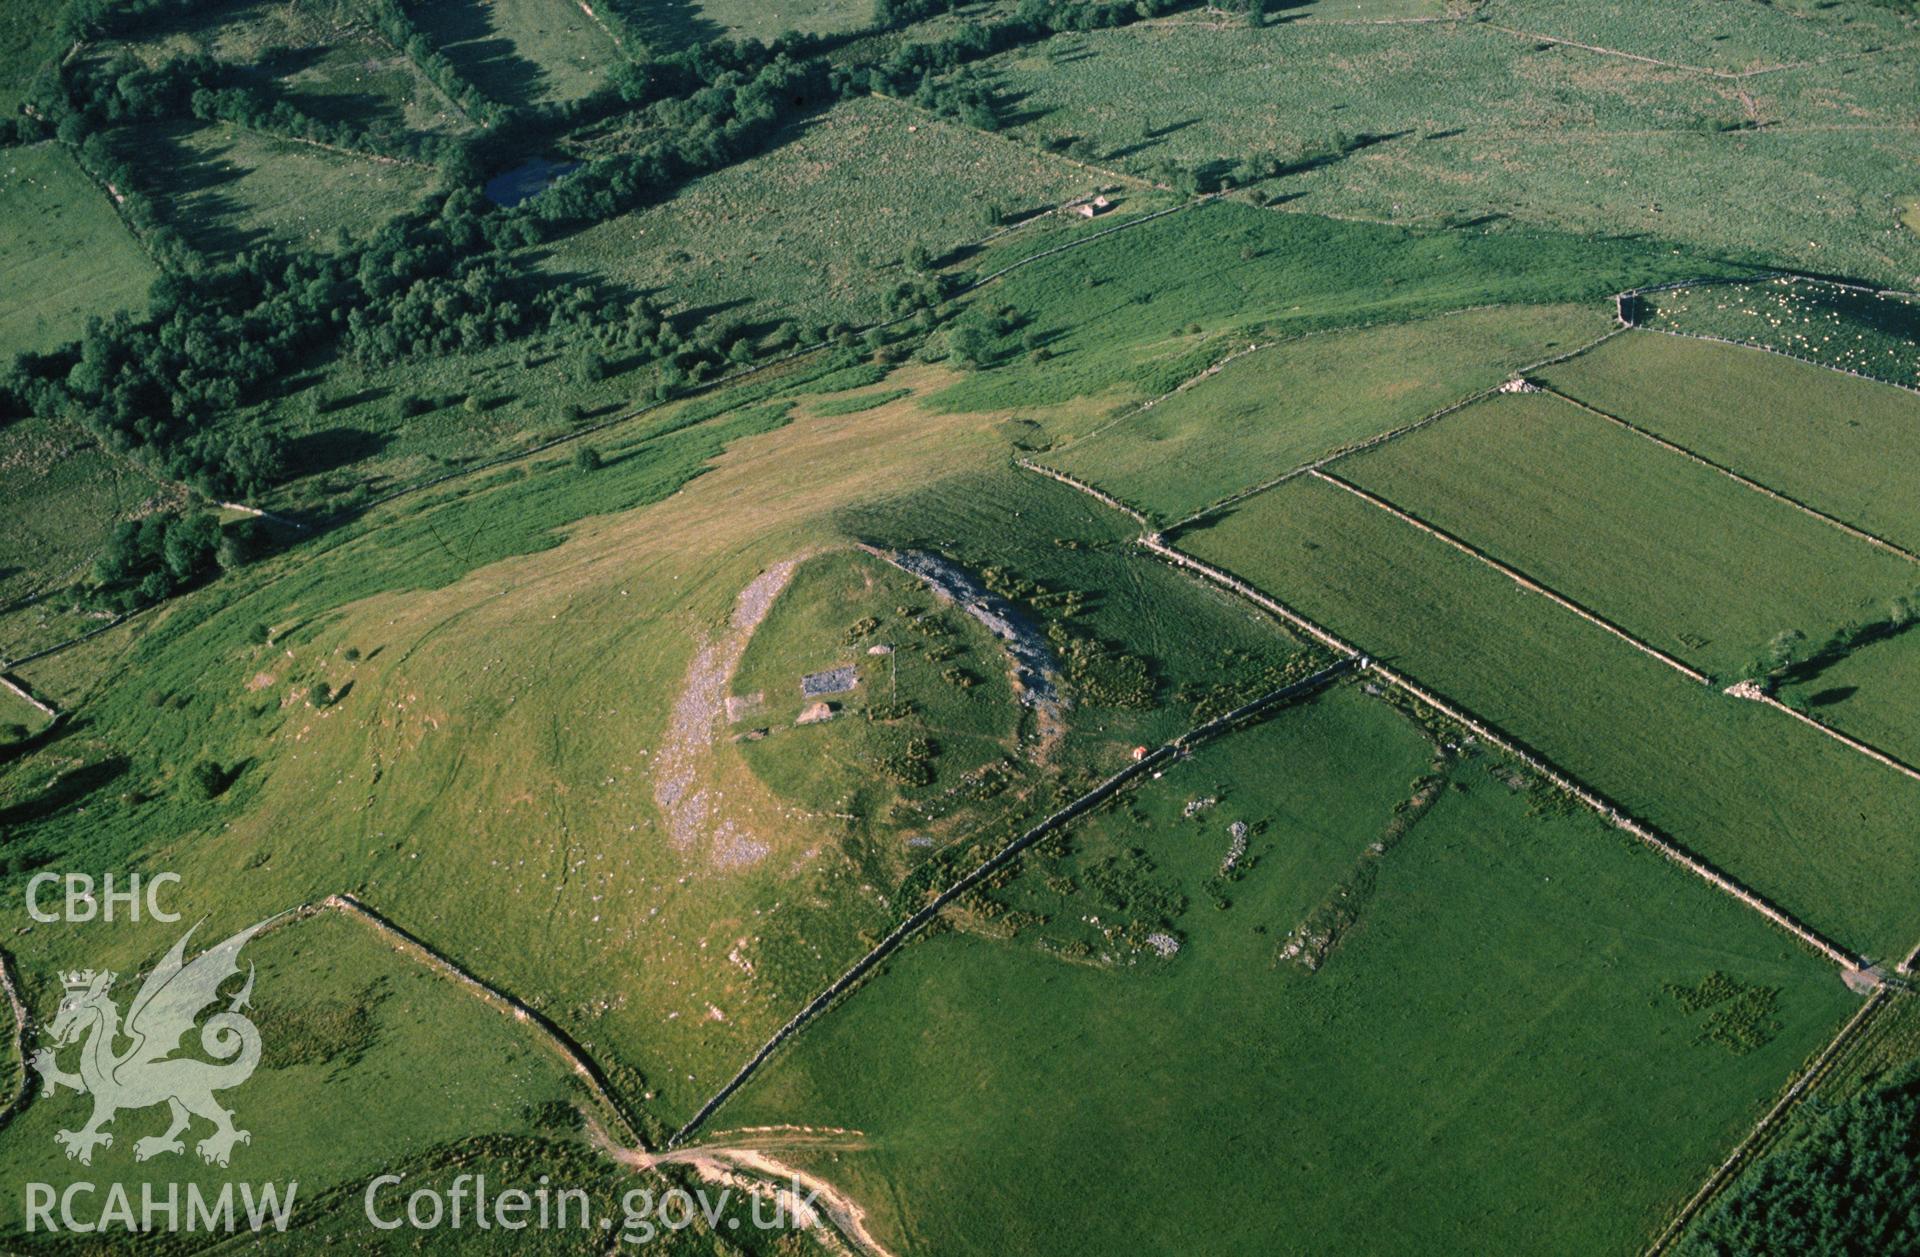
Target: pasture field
x=1871 y=693
x=1822 y=831
x=1360 y=10
x=1491 y=1057
x=1145 y=310
x=369 y=1060
x=15 y=710
x=1810 y=433
x=1288 y=404
x=365 y=82
x=70 y=495
x=820 y=227
x=64 y=254
x=1869 y=333
x=521 y=52
x=1729 y=38
x=229 y=189
x=753 y=19
x=1463 y=123
x=1675 y=553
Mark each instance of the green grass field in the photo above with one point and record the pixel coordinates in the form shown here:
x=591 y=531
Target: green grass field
x=1813 y=434
x=819 y=228
x=753 y=19
x=229 y=189
x=1694 y=563
x=1726 y=37
x=64 y=254
x=1819 y=829
x=463 y=723
x=369 y=1060
x=1489 y=1059
x=1279 y=407
x=1142 y=311
x=1462 y=122
x=521 y=52
x=861 y=762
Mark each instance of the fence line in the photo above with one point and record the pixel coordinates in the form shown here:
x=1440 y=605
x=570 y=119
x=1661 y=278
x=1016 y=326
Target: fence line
x=992 y=864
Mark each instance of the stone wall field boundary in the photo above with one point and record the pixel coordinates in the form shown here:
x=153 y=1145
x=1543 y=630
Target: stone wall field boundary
x=1588 y=797
x=1362 y=446
x=562 y=1044
x=407 y=944
x=1859 y=534
x=992 y=864
x=1515 y=575
x=22 y=1027
x=27 y=696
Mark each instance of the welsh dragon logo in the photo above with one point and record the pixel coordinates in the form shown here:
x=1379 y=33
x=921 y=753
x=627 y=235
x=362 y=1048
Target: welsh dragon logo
x=147 y=1073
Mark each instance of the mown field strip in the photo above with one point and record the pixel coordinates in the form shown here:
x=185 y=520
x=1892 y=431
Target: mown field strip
x=1516 y=576
x=986 y=868
x=1583 y=794
x=1879 y=1000
x=1860 y=534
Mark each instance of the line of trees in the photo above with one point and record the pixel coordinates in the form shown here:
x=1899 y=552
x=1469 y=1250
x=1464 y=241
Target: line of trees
x=390 y=16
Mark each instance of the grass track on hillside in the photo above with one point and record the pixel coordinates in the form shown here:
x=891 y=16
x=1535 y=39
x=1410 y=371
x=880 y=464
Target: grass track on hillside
x=1821 y=831
x=1682 y=557
x=1283 y=406
x=64 y=253
x=1813 y=434
x=1488 y=1059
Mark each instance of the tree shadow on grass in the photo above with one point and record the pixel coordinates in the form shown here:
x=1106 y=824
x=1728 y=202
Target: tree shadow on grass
x=333 y=448
x=65 y=791
x=465 y=32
